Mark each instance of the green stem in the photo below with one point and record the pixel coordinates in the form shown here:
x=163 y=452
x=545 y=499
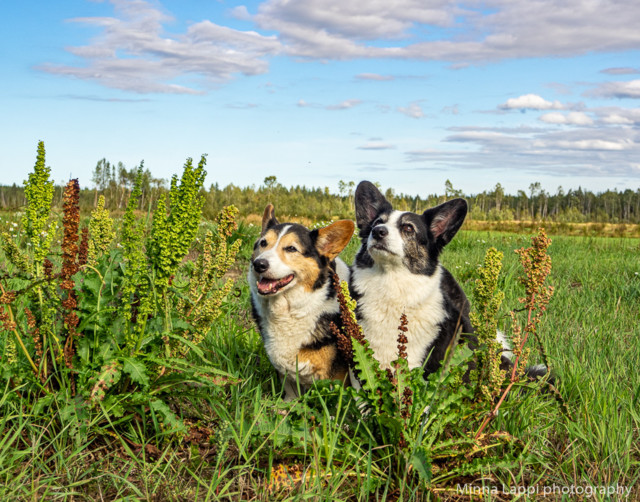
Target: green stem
x=19 y=338
x=102 y=284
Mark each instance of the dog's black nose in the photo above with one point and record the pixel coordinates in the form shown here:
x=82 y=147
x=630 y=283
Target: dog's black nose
x=380 y=232
x=260 y=265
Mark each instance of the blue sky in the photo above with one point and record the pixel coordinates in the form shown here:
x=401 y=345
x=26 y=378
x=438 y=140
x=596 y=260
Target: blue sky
x=408 y=93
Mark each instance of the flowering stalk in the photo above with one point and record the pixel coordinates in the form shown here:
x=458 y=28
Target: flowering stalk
x=401 y=385
x=101 y=232
x=488 y=300
x=202 y=304
x=38 y=191
x=136 y=303
x=70 y=251
x=9 y=325
x=173 y=232
x=351 y=330
x=537 y=266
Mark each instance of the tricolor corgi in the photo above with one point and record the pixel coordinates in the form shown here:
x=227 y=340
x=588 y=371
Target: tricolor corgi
x=294 y=299
x=397 y=271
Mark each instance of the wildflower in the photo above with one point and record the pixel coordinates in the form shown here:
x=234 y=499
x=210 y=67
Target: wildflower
x=71 y=217
x=83 y=248
x=488 y=301
x=173 y=233
x=14 y=255
x=402 y=337
x=10 y=350
x=101 y=232
x=35 y=331
x=39 y=194
x=48 y=268
x=7 y=297
x=537 y=265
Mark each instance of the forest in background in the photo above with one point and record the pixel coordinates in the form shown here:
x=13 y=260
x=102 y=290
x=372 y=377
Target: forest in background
x=115 y=182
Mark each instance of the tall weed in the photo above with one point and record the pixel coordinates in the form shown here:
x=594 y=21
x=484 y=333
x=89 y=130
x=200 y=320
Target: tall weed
x=100 y=335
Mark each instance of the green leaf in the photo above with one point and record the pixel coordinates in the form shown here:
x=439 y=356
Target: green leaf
x=193 y=347
x=93 y=284
x=367 y=365
x=168 y=417
x=136 y=370
x=112 y=405
x=421 y=463
x=83 y=349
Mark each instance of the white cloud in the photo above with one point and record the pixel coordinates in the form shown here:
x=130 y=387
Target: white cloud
x=374 y=76
x=344 y=105
x=531 y=102
x=630 y=89
x=241 y=106
x=413 y=110
x=376 y=145
x=356 y=21
x=583 y=144
x=134 y=54
x=617 y=119
x=240 y=12
x=608 y=151
x=472 y=33
x=613 y=115
x=572 y=118
x=621 y=71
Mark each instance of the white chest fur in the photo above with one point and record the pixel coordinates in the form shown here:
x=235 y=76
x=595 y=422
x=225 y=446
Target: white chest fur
x=385 y=296
x=289 y=322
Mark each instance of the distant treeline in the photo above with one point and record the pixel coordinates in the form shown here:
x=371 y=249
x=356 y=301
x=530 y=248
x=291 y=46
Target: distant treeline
x=572 y=206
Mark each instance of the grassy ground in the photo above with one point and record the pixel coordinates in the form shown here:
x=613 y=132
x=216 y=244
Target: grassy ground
x=592 y=336
x=235 y=449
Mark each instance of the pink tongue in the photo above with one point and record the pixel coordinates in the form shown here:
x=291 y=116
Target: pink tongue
x=267 y=286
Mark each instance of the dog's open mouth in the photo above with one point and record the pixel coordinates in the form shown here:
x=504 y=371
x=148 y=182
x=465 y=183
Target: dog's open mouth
x=268 y=286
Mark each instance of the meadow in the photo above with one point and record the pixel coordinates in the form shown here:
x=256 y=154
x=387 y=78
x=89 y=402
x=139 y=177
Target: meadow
x=188 y=407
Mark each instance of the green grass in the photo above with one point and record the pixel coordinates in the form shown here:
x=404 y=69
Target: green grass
x=591 y=334
x=240 y=432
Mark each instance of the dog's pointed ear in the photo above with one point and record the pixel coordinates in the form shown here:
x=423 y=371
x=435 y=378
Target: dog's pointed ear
x=268 y=218
x=332 y=239
x=369 y=202
x=445 y=220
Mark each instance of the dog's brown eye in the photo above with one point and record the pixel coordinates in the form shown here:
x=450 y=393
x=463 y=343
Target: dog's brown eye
x=407 y=229
x=291 y=249
x=262 y=243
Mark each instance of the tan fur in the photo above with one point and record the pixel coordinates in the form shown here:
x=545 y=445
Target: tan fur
x=306 y=268
x=269 y=214
x=322 y=361
x=333 y=239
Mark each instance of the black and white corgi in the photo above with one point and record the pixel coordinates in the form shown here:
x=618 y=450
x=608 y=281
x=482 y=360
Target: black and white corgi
x=397 y=271
x=294 y=299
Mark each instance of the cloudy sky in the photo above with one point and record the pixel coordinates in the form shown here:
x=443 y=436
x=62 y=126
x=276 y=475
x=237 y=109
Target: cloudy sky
x=408 y=93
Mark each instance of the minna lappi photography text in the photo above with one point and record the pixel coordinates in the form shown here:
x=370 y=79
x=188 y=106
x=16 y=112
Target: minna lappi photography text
x=553 y=490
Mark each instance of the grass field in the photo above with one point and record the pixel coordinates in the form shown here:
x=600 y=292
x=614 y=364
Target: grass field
x=242 y=444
